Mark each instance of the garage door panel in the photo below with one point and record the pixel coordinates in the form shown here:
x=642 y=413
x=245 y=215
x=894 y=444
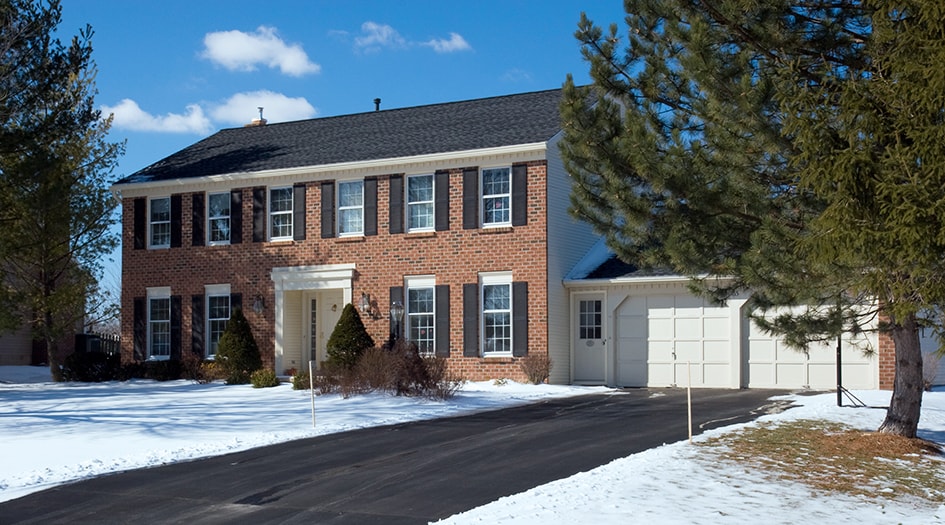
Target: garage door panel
x=661 y=351
x=762 y=351
x=689 y=351
x=716 y=375
x=633 y=325
x=682 y=371
x=660 y=306
x=660 y=329
x=823 y=375
x=688 y=328
x=791 y=374
x=660 y=374
x=716 y=351
x=716 y=328
x=787 y=354
x=688 y=306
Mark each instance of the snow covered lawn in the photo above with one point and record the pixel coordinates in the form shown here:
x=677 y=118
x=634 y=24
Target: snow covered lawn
x=56 y=433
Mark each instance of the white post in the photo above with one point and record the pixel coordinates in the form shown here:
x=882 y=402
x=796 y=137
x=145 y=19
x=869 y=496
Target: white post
x=311 y=388
x=689 y=397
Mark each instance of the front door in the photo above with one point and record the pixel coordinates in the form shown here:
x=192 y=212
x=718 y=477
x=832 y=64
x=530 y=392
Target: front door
x=321 y=311
x=589 y=354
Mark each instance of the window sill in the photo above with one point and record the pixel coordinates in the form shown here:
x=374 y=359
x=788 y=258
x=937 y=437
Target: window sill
x=420 y=235
x=499 y=358
x=353 y=238
x=280 y=242
x=495 y=229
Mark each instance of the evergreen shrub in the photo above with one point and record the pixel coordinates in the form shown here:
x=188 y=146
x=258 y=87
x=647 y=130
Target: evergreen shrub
x=349 y=340
x=237 y=353
x=264 y=378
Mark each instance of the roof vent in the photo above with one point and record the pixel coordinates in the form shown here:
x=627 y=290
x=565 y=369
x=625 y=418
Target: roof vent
x=377 y=104
x=257 y=121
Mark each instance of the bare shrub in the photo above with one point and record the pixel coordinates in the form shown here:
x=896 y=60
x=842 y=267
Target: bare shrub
x=443 y=383
x=190 y=364
x=377 y=369
x=536 y=367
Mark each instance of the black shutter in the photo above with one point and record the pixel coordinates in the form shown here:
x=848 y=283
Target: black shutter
x=471 y=320
x=442 y=326
x=236 y=216
x=176 y=219
x=259 y=214
x=397 y=294
x=328 y=209
x=236 y=301
x=470 y=198
x=441 y=200
x=396 y=204
x=519 y=319
x=197 y=325
x=197 y=219
x=140 y=326
x=298 y=212
x=175 y=327
x=370 y=206
x=519 y=195
x=140 y=223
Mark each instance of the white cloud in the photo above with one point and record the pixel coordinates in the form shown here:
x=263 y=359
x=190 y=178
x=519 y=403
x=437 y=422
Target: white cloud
x=455 y=43
x=375 y=36
x=241 y=108
x=239 y=51
x=128 y=115
x=516 y=75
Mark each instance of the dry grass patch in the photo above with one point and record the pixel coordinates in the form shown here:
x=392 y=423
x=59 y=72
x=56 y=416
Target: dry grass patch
x=830 y=457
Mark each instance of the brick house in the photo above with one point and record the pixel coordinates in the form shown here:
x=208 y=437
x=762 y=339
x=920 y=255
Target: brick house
x=456 y=211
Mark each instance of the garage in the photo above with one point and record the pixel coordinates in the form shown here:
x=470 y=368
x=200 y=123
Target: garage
x=673 y=340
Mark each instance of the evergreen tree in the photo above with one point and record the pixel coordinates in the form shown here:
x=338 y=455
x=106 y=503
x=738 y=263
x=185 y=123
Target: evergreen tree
x=777 y=143
x=349 y=339
x=237 y=351
x=55 y=165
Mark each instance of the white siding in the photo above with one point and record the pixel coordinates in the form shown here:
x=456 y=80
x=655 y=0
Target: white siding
x=292 y=332
x=568 y=241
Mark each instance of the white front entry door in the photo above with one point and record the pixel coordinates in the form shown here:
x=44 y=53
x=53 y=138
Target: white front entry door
x=589 y=351
x=321 y=311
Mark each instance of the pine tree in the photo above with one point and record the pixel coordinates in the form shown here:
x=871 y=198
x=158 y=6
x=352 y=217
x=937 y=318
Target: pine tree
x=349 y=340
x=55 y=163
x=777 y=143
x=237 y=352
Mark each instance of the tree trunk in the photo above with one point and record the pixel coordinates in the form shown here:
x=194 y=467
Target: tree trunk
x=902 y=417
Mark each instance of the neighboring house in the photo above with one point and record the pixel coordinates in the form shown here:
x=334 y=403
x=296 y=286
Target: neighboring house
x=456 y=211
x=635 y=328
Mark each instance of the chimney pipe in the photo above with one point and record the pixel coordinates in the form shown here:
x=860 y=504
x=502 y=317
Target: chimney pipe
x=257 y=121
x=377 y=104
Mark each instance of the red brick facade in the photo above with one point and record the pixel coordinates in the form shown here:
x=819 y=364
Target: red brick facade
x=455 y=257
x=887 y=361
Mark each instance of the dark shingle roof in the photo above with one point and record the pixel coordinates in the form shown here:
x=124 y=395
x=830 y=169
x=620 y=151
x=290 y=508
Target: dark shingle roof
x=439 y=128
x=614 y=268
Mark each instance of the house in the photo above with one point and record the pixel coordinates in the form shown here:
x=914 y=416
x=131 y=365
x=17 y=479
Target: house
x=446 y=224
x=457 y=212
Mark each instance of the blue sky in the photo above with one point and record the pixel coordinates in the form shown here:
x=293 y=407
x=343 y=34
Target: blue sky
x=174 y=72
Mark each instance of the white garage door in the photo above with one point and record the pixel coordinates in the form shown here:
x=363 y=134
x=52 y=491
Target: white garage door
x=663 y=340
x=772 y=364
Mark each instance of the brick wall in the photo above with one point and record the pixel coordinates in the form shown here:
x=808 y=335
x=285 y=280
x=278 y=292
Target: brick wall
x=455 y=257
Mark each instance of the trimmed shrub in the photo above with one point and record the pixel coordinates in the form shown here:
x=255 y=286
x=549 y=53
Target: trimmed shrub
x=91 y=367
x=237 y=353
x=537 y=368
x=349 y=340
x=264 y=378
x=162 y=370
x=300 y=381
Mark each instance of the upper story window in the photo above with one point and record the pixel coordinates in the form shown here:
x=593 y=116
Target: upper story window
x=496 y=196
x=159 y=323
x=421 y=310
x=280 y=213
x=351 y=208
x=218 y=218
x=160 y=223
x=496 y=315
x=420 y=203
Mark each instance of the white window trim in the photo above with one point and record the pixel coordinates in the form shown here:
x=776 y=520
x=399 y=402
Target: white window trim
x=211 y=218
x=214 y=290
x=494 y=278
x=290 y=212
x=417 y=282
x=340 y=208
x=482 y=198
x=431 y=202
x=162 y=292
x=151 y=223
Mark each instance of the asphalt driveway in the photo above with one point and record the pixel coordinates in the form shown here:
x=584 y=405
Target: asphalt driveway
x=401 y=474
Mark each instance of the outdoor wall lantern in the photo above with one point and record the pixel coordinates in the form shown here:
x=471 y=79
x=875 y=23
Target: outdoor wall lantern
x=364 y=305
x=259 y=304
x=397 y=315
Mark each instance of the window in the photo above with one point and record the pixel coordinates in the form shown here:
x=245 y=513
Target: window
x=589 y=319
x=496 y=315
x=159 y=324
x=218 y=314
x=420 y=203
x=496 y=196
x=421 y=313
x=218 y=218
x=280 y=213
x=160 y=223
x=351 y=208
